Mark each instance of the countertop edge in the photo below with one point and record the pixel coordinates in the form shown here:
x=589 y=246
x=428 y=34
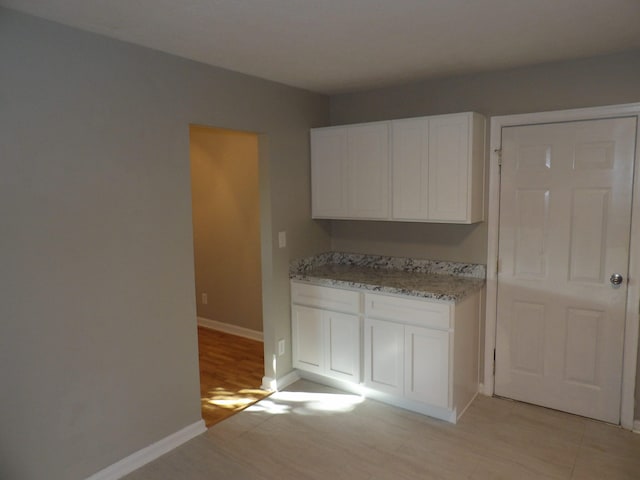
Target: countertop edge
x=445 y=298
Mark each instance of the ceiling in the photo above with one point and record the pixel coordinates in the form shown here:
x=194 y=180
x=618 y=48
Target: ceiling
x=336 y=46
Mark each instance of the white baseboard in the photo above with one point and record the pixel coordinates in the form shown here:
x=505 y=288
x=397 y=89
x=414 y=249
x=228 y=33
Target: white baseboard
x=636 y=426
x=150 y=453
x=269 y=383
x=232 y=329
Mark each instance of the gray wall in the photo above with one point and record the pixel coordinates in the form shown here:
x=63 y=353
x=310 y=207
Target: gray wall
x=98 y=350
x=605 y=80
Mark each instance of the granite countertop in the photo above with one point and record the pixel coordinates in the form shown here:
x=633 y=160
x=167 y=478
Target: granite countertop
x=432 y=279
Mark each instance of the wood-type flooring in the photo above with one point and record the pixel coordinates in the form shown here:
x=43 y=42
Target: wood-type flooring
x=231 y=370
x=313 y=432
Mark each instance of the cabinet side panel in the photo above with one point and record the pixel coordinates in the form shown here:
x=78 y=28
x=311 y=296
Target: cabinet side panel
x=466 y=355
x=478 y=169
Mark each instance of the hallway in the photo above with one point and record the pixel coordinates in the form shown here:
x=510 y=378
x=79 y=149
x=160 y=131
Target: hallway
x=231 y=369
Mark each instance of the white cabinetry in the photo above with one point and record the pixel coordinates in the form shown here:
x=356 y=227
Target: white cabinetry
x=418 y=354
x=308 y=338
x=350 y=171
x=326 y=341
x=384 y=356
x=427 y=365
x=410 y=166
x=437 y=170
x=456 y=168
x=397 y=332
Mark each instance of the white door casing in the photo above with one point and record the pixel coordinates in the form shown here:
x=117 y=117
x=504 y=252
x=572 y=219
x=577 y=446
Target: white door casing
x=565 y=214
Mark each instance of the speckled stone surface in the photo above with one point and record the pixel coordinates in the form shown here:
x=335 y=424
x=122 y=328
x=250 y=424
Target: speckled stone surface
x=438 y=280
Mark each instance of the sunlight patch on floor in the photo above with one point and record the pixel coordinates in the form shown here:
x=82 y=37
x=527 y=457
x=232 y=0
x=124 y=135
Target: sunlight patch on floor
x=221 y=398
x=307 y=403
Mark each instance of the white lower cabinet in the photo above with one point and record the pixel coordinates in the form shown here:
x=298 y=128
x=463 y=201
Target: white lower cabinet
x=308 y=338
x=407 y=360
x=384 y=356
x=326 y=342
x=426 y=365
x=342 y=352
x=418 y=354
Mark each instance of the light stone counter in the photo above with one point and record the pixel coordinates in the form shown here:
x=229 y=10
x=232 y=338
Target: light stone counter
x=438 y=280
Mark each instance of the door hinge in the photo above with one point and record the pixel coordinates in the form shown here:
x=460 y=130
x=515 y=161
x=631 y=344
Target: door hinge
x=498 y=151
x=498 y=265
x=494 y=361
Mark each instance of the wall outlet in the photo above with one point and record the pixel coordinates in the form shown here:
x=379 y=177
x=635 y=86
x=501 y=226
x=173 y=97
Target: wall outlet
x=205 y=299
x=281 y=347
x=282 y=239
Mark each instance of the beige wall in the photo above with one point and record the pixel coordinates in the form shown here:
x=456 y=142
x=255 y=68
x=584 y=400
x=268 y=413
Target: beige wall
x=605 y=80
x=225 y=199
x=98 y=347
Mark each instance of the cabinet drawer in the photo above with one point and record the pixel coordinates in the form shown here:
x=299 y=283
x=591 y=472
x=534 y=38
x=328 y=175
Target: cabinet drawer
x=416 y=312
x=325 y=297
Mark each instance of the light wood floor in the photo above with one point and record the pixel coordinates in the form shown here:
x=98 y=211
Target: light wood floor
x=231 y=370
x=315 y=432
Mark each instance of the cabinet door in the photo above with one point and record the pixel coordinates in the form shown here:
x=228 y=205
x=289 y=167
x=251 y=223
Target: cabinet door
x=384 y=356
x=328 y=173
x=427 y=365
x=449 y=161
x=410 y=169
x=343 y=346
x=308 y=339
x=368 y=171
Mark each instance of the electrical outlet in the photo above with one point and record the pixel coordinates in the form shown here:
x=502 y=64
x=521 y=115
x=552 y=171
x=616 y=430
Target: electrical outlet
x=205 y=299
x=281 y=347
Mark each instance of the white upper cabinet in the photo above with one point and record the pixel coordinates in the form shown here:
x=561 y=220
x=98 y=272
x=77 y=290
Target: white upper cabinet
x=350 y=171
x=436 y=165
x=410 y=154
x=368 y=171
x=456 y=168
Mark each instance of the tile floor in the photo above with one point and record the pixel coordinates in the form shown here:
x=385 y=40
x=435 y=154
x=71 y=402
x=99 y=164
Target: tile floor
x=311 y=431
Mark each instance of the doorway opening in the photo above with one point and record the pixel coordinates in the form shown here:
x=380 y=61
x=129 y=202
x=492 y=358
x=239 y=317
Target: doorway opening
x=227 y=259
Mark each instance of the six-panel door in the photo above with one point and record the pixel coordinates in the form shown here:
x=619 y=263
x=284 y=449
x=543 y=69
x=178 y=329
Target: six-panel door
x=565 y=210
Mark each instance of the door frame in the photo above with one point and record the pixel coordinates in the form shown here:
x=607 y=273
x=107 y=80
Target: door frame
x=632 y=320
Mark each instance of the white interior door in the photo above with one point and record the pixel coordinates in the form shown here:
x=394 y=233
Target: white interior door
x=565 y=210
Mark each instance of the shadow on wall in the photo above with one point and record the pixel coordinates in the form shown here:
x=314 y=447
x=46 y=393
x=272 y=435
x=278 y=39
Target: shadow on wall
x=438 y=241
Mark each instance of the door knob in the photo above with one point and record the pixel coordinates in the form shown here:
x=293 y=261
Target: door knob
x=615 y=279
